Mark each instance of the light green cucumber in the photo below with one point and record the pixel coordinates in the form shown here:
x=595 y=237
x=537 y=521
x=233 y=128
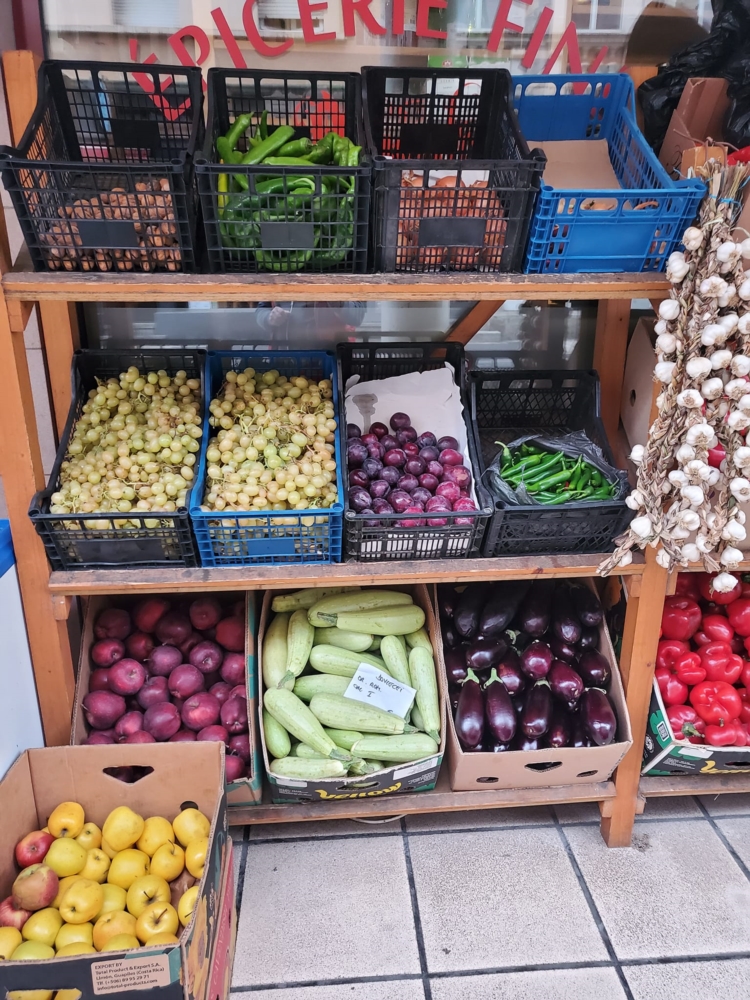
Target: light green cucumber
x=357 y=642
x=277 y=739
x=298 y=767
x=396 y=749
x=311 y=684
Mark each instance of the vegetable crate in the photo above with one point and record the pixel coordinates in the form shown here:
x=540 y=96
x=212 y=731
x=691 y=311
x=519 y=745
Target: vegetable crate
x=367 y=542
x=102 y=541
x=103 y=177
x=505 y=405
x=454 y=181
x=393 y=779
x=322 y=226
x=236 y=538
x=633 y=227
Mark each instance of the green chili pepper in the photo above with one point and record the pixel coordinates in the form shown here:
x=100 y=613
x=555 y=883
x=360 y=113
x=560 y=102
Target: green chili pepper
x=553 y=480
x=320 y=154
x=287 y=161
x=263 y=128
x=297 y=147
x=352 y=157
x=239 y=126
x=269 y=145
x=603 y=493
x=560 y=498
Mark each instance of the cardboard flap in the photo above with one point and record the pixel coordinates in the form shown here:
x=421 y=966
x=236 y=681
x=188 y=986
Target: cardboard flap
x=579 y=163
x=700 y=115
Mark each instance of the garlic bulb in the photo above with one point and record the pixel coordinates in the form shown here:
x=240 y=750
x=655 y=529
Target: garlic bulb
x=677 y=478
x=660 y=327
x=625 y=559
x=676 y=272
x=693 y=494
x=663 y=370
x=744 y=290
x=736 y=388
x=721 y=359
x=740 y=364
x=667 y=343
x=642 y=526
x=738 y=421
x=742 y=457
x=634 y=500
x=669 y=309
x=713 y=287
x=689 y=398
x=712 y=388
x=690 y=553
x=684 y=453
x=697 y=470
x=698 y=367
x=743 y=324
x=679 y=534
x=713 y=477
x=692 y=238
x=715 y=332
x=637 y=453
x=663 y=559
x=728 y=297
x=730 y=557
x=728 y=251
x=745 y=251
x=743 y=403
x=740 y=489
x=689 y=519
x=701 y=436
x=729 y=322
x=703 y=544
x=676 y=257
x=733 y=532
x=739 y=515
x=724 y=582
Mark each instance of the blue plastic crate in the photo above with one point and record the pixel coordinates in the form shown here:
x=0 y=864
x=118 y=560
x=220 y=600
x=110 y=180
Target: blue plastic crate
x=236 y=538
x=631 y=228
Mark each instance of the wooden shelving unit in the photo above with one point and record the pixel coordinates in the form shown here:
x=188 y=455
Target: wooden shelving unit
x=48 y=596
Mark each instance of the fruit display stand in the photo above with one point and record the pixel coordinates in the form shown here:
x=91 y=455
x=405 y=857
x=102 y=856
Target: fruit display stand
x=48 y=596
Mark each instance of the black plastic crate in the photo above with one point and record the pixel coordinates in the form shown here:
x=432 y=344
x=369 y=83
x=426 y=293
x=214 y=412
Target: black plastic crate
x=508 y=404
x=103 y=179
x=422 y=124
x=95 y=541
x=326 y=233
x=387 y=541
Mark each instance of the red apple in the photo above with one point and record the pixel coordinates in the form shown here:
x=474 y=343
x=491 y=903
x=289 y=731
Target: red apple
x=12 y=916
x=35 y=888
x=234 y=767
x=127 y=677
x=230 y=633
x=32 y=848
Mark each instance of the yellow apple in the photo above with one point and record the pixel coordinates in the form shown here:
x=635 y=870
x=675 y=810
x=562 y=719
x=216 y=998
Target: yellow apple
x=109 y=851
x=90 y=836
x=122 y=828
x=67 y=820
x=74 y=934
x=62 y=888
x=97 y=865
x=157 y=918
x=146 y=890
x=168 y=862
x=32 y=951
x=112 y=924
x=65 y=857
x=82 y=902
x=187 y=904
x=10 y=938
x=77 y=948
x=31 y=994
x=191 y=824
x=195 y=856
x=68 y=994
x=42 y=926
x=156 y=831
x=115 y=898
x=126 y=867
x=163 y=938
x=122 y=942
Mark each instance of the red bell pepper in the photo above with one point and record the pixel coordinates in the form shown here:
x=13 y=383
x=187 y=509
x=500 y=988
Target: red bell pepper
x=738 y=645
x=687 y=586
x=745 y=675
x=673 y=690
x=705 y=585
x=732 y=735
x=720 y=663
x=670 y=650
x=745 y=588
x=745 y=710
x=738 y=615
x=717 y=702
x=681 y=618
x=686 y=723
x=717 y=628
x=689 y=669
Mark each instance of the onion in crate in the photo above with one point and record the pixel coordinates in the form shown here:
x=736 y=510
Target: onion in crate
x=395 y=457
x=457 y=474
x=399 y=500
x=381 y=506
x=113 y=623
x=437 y=503
x=359 y=499
x=106 y=652
x=421 y=495
x=435 y=469
x=375 y=451
x=359 y=478
x=464 y=503
x=417 y=522
x=388 y=442
x=410 y=449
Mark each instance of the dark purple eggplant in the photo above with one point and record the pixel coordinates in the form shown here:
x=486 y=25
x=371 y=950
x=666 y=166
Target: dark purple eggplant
x=578 y=735
x=450 y=636
x=589 y=639
x=501 y=607
x=535 y=613
x=565 y=624
x=455 y=664
x=566 y=684
x=447 y=601
x=454 y=693
x=537 y=710
x=559 y=732
x=518 y=705
x=483 y=654
x=536 y=660
x=468 y=608
x=588 y=607
x=518 y=640
x=523 y=742
x=469 y=717
x=598 y=716
x=498 y=710
x=594 y=669
x=510 y=673
x=484 y=747
x=563 y=650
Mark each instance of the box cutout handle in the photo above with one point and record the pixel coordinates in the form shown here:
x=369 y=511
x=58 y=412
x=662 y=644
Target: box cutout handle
x=129 y=775
x=486 y=781
x=735 y=763
x=358 y=785
x=586 y=774
x=188 y=805
x=545 y=765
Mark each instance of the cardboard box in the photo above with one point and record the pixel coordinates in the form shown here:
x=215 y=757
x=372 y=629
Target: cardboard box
x=178 y=774
x=245 y=791
x=416 y=776
x=664 y=754
x=638 y=383
x=579 y=163
x=222 y=959
x=543 y=768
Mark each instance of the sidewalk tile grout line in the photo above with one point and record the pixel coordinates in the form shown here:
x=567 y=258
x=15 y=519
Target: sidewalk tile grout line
x=725 y=841
x=347 y=981
x=594 y=910
x=240 y=888
x=427 y=988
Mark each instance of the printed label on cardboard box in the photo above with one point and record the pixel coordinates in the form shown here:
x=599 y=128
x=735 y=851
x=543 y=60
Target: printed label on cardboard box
x=130 y=974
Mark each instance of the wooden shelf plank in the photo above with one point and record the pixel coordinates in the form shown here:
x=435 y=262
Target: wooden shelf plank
x=442 y=799
x=294 y=576
x=26 y=285
x=694 y=784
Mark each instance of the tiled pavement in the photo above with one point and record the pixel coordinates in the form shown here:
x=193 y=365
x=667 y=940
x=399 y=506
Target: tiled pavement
x=524 y=904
